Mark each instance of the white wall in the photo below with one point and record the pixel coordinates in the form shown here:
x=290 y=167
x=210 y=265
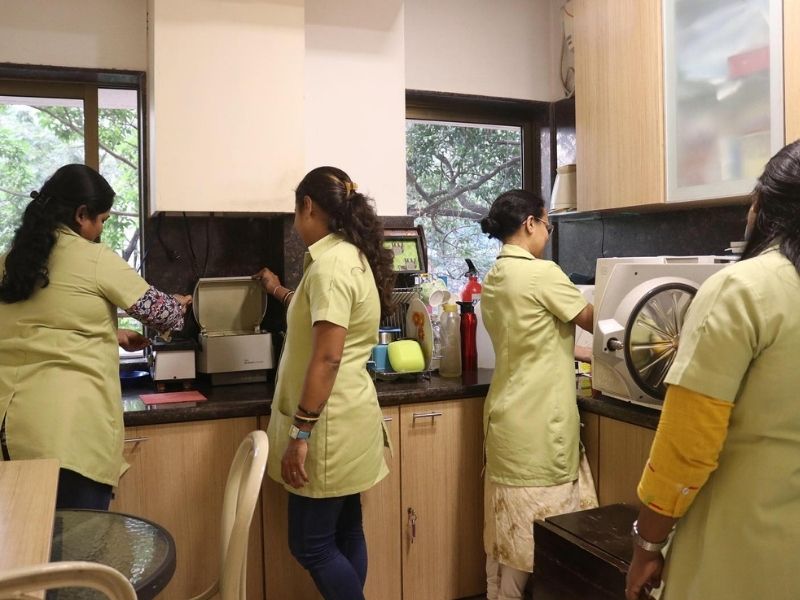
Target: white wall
x=486 y=47
x=107 y=34
x=355 y=95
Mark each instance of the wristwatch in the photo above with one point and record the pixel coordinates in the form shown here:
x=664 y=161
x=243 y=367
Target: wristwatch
x=643 y=543
x=298 y=434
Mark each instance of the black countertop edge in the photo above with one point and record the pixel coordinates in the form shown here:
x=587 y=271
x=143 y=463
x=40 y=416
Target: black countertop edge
x=252 y=400
x=619 y=410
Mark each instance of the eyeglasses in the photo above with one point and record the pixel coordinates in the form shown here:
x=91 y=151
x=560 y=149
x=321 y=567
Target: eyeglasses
x=548 y=226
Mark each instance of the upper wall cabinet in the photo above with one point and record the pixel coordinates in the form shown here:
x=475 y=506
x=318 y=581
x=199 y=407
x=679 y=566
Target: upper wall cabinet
x=724 y=94
x=791 y=68
x=675 y=100
x=225 y=100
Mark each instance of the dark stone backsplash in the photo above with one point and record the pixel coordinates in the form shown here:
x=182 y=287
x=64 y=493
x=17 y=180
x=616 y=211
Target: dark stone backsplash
x=581 y=240
x=179 y=250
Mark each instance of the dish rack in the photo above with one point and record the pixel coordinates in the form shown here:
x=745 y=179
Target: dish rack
x=401 y=297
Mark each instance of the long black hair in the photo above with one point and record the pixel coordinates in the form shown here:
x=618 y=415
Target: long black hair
x=509 y=211
x=55 y=204
x=352 y=214
x=777 y=203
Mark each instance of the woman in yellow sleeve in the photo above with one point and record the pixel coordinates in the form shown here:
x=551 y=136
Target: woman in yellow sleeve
x=326 y=428
x=59 y=362
x=530 y=309
x=724 y=468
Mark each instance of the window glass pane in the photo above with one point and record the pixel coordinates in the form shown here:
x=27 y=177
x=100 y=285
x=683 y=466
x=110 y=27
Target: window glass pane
x=118 y=132
x=37 y=135
x=454 y=171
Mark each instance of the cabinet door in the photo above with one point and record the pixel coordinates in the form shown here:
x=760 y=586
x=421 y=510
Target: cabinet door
x=624 y=449
x=285 y=578
x=442 y=460
x=177 y=479
x=226 y=104
x=590 y=438
x=619 y=120
x=791 y=68
x=723 y=95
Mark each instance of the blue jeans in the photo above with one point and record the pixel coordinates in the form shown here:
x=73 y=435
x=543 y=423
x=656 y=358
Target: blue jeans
x=327 y=539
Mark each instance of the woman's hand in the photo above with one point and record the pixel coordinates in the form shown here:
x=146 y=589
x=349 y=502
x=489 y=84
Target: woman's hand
x=184 y=301
x=583 y=354
x=131 y=341
x=269 y=280
x=293 y=464
x=644 y=574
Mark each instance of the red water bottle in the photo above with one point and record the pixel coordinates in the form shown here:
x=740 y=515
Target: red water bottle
x=469 y=332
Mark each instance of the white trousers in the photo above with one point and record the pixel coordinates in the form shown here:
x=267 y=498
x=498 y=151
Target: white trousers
x=504 y=582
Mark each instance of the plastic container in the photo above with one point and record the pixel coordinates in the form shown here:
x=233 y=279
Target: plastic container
x=450 y=323
x=469 y=339
x=405 y=356
x=380 y=353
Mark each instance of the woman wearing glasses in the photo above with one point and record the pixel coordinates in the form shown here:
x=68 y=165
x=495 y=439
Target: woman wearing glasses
x=530 y=309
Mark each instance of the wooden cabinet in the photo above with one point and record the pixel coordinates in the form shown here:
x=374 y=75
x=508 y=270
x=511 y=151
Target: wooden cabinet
x=677 y=101
x=618 y=103
x=285 y=578
x=177 y=479
x=623 y=450
x=441 y=456
x=791 y=68
x=225 y=104
x=590 y=438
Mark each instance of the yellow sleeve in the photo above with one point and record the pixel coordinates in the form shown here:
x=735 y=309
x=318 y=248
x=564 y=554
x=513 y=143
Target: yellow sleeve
x=330 y=293
x=117 y=281
x=559 y=295
x=690 y=435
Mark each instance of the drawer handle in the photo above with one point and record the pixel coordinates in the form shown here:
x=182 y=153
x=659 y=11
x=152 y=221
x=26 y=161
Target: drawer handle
x=426 y=415
x=388 y=419
x=135 y=440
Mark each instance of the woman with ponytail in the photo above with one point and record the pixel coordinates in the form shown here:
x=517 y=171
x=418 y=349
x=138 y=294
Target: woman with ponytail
x=723 y=468
x=59 y=363
x=326 y=429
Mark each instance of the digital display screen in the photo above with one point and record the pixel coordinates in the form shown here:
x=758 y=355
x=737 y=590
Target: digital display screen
x=407 y=255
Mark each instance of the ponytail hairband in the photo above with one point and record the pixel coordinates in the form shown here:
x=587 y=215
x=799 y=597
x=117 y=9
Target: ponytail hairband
x=38 y=199
x=349 y=187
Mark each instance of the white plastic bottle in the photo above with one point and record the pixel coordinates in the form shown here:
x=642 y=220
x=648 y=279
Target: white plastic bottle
x=450 y=363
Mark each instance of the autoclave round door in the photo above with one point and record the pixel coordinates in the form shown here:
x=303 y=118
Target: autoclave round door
x=653 y=332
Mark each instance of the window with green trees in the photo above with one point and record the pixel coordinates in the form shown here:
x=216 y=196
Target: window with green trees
x=46 y=124
x=461 y=153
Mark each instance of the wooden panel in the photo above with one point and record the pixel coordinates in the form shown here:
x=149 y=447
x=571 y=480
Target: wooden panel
x=624 y=449
x=619 y=103
x=177 y=479
x=285 y=578
x=27 y=509
x=791 y=68
x=590 y=436
x=441 y=461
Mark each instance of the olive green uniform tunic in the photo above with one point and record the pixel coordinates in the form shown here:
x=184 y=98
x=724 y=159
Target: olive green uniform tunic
x=59 y=360
x=345 y=451
x=740 y=539
x=530 y=415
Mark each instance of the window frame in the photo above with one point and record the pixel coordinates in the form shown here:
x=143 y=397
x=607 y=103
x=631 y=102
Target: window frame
x=531 y=116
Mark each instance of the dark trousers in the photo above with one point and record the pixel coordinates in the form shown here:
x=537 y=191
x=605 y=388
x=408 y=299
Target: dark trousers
x=77 y=491
x=327 y=539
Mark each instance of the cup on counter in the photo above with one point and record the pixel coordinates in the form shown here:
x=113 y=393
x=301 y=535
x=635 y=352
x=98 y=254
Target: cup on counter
x=434 y=292
x=380 y=353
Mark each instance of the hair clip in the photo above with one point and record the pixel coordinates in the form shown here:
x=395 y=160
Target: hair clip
x=350 y=187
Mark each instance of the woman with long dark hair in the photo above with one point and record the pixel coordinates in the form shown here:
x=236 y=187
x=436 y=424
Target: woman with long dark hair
x=59 y=364
x=723 y=468
x=326 y=428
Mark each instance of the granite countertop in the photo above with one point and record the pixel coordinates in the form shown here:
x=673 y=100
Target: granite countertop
x=254 y=399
